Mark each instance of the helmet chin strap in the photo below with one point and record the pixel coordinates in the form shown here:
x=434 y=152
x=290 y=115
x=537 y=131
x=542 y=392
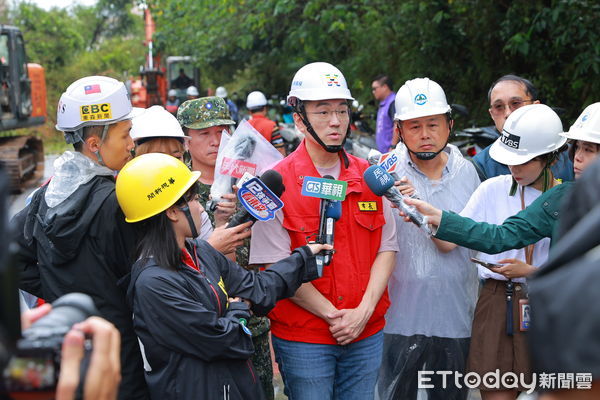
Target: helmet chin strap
x=546 y=174
x=188 y=216
x=425 y=155
x=102 y=138
x=328 y=148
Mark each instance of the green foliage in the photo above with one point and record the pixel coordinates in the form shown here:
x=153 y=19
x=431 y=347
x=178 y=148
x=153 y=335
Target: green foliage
x=105 y=39
x=463 y=44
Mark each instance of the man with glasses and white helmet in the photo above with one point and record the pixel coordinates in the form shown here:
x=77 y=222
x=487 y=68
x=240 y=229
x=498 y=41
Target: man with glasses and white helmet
x=432 y=294
x=72 y=236
x=505 y=95
x=328 y=338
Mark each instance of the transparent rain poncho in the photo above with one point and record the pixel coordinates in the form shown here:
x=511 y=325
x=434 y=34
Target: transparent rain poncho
x=245 y=150
x=71 y=170
x=433 y=293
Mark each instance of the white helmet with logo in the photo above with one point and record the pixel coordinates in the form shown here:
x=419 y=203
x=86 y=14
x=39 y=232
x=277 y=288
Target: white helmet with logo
x=221 y=92
x=318 y=81
x=528 y=132
x=256 y=99
x=587 y=126
x=93 y=100
x=156 y=122
x=192 y=91
x=420 y=97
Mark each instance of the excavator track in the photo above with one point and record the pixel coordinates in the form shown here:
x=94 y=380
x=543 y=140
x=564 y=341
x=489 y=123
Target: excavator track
x=23 y=159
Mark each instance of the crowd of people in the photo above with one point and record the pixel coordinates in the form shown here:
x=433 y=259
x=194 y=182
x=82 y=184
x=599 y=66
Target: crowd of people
x=197 y=304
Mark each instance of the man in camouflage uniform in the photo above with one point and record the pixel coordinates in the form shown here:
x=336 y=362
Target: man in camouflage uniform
x=204 y=120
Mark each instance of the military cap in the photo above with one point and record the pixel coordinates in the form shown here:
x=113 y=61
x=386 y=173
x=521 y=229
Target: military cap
x=204 y=112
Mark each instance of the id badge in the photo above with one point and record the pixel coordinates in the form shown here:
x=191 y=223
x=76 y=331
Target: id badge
x=524 y=315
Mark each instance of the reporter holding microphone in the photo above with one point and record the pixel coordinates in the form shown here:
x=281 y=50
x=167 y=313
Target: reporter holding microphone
x=190 y=303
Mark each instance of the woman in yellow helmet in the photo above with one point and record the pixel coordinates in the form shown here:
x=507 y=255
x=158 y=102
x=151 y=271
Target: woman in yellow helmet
x=190 y=303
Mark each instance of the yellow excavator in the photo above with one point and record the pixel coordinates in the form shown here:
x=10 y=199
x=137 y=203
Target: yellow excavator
x=22 y=105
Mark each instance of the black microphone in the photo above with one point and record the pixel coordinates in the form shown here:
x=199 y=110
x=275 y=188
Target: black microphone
x=274 y=181
x=382 y=184
x=333 y=212
x=330 y=212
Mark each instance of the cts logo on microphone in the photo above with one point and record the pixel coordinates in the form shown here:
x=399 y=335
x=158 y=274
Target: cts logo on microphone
x=322 y=188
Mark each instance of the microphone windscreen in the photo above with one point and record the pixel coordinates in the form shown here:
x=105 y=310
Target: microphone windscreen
x=244 y=148
x=274 y=181
x=334 y=210
x=378 y=179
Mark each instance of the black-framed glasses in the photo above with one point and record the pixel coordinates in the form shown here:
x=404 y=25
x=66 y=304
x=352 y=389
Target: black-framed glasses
x=343 y=114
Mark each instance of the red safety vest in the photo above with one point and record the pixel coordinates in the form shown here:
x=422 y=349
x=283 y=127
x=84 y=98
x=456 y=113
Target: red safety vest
x=263 y=125
x=357 y=241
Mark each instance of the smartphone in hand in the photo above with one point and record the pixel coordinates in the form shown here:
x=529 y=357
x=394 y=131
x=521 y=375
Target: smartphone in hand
x=490 y=266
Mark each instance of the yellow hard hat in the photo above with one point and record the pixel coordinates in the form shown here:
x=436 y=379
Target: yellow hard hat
x=151 y=183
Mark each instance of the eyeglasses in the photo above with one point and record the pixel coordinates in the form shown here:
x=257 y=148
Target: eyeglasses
x=374 y=88
x=326 y=115
x=499 y=108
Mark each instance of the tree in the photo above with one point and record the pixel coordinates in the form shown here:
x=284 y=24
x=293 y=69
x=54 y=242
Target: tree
x=462 y=44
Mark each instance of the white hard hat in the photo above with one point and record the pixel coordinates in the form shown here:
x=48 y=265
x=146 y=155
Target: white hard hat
x=528 y=132
x=420 y=97
x=318 y=81
x=192 y=91
x=156 y=122
x=173 y=93
x=256 y=99
x=221 y=92
x=93 y=100
x=587 y=126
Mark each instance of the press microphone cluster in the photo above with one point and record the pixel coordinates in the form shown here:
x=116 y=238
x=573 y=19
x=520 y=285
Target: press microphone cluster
x=274 y=181
x=382 y=184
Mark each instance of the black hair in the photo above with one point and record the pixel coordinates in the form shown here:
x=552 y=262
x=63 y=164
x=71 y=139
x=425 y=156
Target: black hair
x=573 y=147
x=86 y=133
x=156 y=237
x=385 y=80
x=530 y=90
x=257 y=109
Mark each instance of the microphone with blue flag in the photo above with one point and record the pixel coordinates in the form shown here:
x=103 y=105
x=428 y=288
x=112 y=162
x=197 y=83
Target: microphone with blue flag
x=382 y=184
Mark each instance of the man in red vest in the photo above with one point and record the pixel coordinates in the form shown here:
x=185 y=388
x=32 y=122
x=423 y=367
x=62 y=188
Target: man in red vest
x=328 y=337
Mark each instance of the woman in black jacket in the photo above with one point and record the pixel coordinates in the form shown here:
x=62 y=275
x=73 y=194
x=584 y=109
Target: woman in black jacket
x=190 y=303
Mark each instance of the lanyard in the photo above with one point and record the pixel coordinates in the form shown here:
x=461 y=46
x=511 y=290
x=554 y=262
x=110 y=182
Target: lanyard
x=529 y=249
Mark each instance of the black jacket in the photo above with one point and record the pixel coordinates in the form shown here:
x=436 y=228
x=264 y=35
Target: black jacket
x=194 y=344
x=83 y=245
x=564 y=295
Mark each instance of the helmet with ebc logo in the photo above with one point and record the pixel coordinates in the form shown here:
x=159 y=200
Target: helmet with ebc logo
x=93 y=100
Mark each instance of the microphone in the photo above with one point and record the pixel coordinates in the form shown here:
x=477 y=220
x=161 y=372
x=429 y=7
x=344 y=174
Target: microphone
x=330 y=212
x=333 y=212
x=382 y=184
x=274 y=181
